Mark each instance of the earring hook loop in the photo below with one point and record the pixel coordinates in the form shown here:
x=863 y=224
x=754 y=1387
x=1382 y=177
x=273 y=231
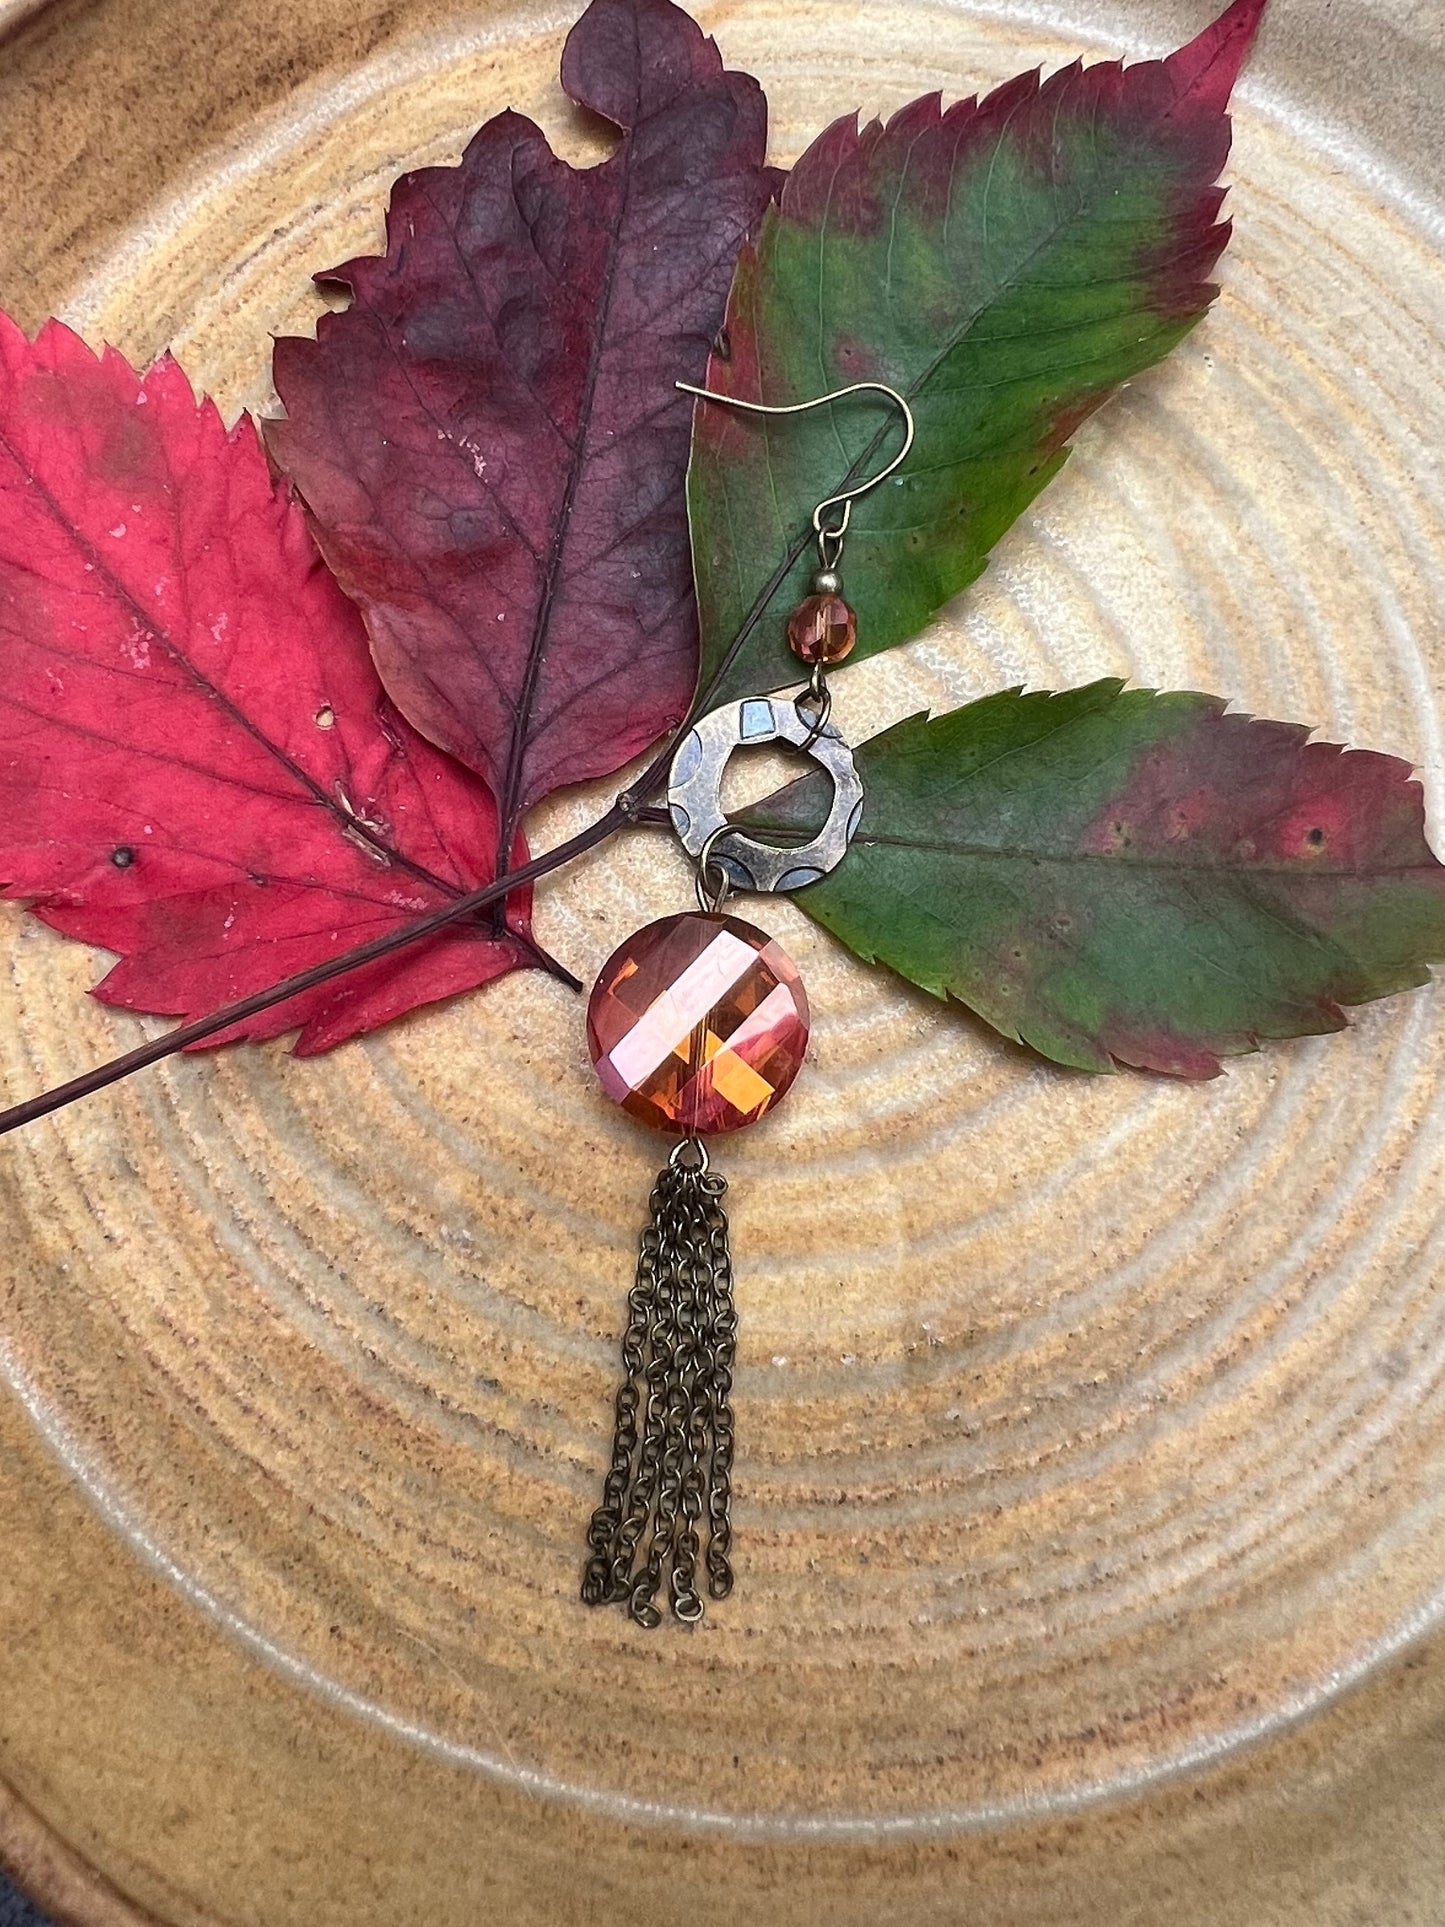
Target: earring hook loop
x=830 y=537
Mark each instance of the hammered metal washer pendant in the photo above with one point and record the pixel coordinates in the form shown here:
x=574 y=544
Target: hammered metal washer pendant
x=694 y=794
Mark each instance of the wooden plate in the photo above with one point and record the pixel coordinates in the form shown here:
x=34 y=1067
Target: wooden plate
x=1092 y=1431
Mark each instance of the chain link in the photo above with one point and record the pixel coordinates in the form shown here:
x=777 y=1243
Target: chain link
x=669 y=1482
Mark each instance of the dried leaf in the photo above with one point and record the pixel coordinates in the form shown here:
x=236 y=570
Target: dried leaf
x=198 y=766
x=489 y=438
x=1111 y=874
x=1005 y=265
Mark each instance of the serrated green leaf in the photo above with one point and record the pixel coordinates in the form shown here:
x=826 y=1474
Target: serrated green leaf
x=1005 y=265
x=1118 y=875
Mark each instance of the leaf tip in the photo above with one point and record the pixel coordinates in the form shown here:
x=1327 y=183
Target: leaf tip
x=1204 y=71
x=624 y=59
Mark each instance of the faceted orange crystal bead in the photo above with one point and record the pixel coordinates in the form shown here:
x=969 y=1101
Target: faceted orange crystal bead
x=822 y=629
x=698 y=1024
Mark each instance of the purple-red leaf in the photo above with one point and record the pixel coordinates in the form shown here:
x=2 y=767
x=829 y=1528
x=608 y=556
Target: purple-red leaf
x=489 y=438
x=198 y=766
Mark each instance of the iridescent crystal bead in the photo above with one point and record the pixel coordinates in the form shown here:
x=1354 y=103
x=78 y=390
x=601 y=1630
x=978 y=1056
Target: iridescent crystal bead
x=698 y=1024
x=822 y=629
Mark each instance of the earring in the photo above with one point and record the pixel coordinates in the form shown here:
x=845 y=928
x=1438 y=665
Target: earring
x=698 y=1025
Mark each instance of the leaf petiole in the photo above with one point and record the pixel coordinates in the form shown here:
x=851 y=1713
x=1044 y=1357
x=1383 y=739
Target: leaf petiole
x=622 y=815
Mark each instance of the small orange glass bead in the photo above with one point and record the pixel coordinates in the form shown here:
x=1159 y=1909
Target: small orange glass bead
x=822 y=629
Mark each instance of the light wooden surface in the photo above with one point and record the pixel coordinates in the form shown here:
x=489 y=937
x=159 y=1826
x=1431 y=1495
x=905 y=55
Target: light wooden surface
x=1091 y=1432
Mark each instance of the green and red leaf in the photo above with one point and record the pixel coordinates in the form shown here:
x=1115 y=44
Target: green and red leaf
x=1115 y=875
x=1005 y=264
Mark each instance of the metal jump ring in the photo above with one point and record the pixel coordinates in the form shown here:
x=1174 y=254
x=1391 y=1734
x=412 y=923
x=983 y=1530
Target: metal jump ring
x=680 y=1163
x=817 y=692
x=714 y=902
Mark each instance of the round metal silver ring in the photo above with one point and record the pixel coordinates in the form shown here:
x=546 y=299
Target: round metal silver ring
x=694 y=794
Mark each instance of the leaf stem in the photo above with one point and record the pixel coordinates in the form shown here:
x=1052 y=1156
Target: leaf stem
x=631 y=809
x=620 y=816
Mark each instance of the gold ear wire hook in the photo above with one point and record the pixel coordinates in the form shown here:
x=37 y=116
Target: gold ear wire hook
x=830 y=539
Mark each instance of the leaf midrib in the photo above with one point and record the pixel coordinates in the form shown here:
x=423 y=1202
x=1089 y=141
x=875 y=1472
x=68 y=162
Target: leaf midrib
x=510 y=802
x=1023 y=854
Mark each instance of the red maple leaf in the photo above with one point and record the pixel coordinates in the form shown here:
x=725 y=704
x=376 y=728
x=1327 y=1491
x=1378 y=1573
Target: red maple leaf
x=489 y=438
x=199 y=768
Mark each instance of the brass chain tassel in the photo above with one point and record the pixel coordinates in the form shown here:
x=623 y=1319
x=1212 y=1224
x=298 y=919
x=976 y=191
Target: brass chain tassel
x=666 y=1488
